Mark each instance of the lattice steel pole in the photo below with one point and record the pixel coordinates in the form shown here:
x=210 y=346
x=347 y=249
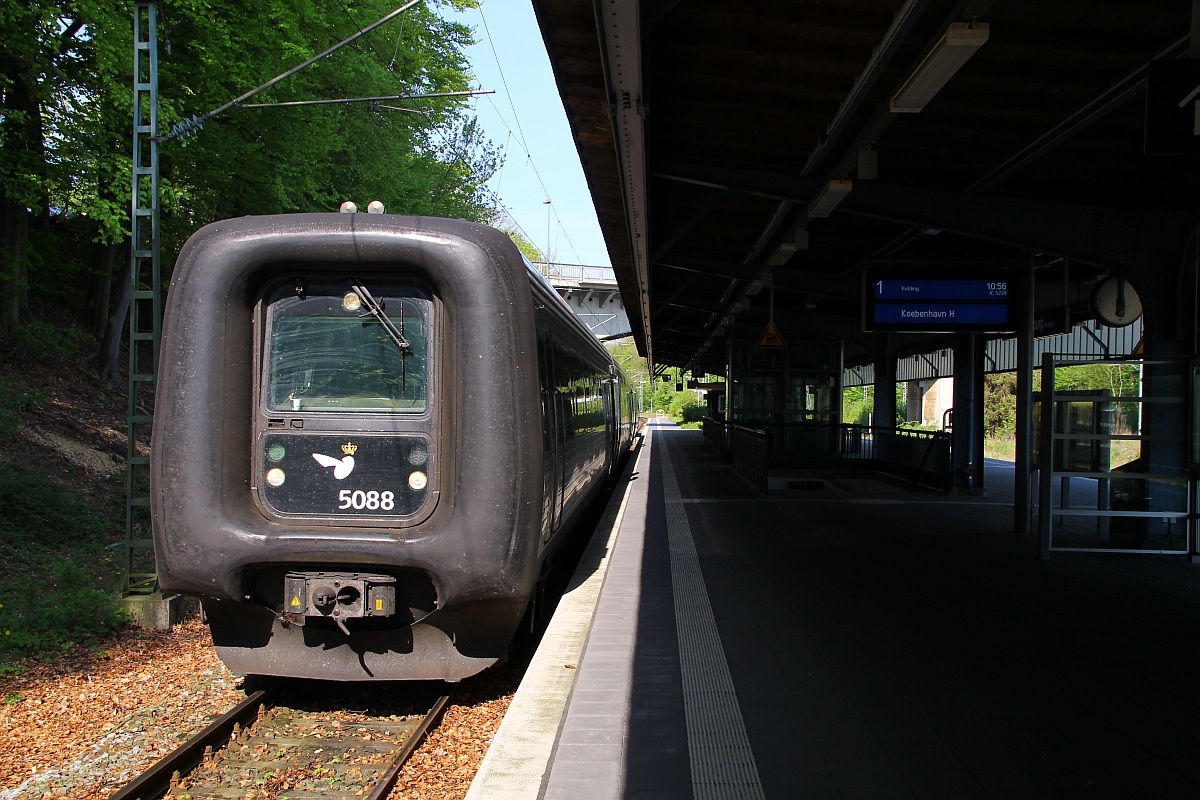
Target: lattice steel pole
x=145 y=308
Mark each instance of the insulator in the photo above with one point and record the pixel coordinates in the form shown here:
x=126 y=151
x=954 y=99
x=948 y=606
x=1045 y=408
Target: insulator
x=186 y=127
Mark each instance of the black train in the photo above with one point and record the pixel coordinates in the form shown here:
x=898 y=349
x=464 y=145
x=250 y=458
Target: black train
x=369 y=432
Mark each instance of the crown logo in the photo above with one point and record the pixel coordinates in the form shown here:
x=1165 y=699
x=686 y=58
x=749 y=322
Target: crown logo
x=349 y=449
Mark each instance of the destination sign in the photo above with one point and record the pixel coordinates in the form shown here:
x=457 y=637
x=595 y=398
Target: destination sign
x=922 y=300
x=920 y=314
x=922 y=290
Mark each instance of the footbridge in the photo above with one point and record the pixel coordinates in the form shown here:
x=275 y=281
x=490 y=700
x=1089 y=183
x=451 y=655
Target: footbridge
x=593 y=294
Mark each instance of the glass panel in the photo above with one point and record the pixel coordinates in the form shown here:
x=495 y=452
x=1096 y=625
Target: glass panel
x=327 y=353
x=1196 y=415
x=1118 y=481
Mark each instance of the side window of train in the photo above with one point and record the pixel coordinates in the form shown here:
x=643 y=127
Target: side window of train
x=546 y=389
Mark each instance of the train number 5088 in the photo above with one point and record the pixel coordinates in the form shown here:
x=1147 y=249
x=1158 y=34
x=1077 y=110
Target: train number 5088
x=371 y=501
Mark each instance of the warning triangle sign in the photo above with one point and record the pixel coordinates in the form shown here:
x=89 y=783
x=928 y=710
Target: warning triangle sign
x=770 y=337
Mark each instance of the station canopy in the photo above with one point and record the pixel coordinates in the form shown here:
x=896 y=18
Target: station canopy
x=750 y=161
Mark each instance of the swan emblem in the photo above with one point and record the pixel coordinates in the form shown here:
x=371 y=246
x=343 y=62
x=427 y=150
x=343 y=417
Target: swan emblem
x=341 y=466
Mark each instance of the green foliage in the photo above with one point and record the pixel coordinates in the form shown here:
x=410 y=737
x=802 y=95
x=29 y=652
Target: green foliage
x=435 y=162
x=44 y=340
x=32 y=505
x=1000 y=405
x=66 y=78
x=51 y=546
x=53 y=611
x=16 y=401
x=856 y=405
x=663 y=395
x=686 y=408
x=1118 y=379
x=528 y=248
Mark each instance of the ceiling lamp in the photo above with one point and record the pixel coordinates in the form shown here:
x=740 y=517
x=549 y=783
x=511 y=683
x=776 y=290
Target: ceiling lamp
x=959 y=43
x=782 y=253
x=826 y=200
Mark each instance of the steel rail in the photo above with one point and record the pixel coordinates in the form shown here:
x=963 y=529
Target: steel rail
x=388 y=780
x=155 y=781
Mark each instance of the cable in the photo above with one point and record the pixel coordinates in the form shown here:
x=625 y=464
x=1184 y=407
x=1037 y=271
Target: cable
x=445 y=145
x=196 y=122
x=521 y=141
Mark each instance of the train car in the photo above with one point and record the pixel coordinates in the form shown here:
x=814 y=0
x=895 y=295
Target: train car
x=371 y=434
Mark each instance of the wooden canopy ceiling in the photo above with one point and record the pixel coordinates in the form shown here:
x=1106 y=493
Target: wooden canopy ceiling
x=707 y=127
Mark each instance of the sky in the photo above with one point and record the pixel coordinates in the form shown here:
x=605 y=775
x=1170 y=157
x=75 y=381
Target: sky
x=525 y=118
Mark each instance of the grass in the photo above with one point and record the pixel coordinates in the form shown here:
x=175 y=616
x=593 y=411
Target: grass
x=1121 y=452
x=1000 y=449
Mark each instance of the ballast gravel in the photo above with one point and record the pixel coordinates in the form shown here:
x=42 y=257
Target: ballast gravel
x=83 y=724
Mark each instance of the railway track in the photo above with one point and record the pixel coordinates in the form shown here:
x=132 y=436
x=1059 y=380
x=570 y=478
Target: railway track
x=268 y=746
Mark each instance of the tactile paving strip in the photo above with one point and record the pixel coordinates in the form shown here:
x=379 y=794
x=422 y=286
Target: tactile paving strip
x=721 y=758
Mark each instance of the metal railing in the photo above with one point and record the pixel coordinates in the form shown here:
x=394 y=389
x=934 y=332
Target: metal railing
x=750 y=449
x=714 y=435
x=920 y=457
x=576 y=272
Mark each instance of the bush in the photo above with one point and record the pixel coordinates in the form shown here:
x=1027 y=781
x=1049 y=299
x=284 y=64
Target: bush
x=40 y=514
x=16 y=402
x=53 y=551
x=692 y=412
x=52 y=612
x=46 y=341
x=685 y=408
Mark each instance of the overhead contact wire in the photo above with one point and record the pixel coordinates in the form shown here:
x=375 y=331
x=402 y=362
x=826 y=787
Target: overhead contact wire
x=521 y=139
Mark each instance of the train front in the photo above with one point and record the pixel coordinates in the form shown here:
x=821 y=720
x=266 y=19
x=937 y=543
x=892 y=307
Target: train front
x=346 y=455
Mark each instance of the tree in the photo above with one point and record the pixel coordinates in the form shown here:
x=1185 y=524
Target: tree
x=1000 y=405
x=528 y=248
x=64 y=144
x=856 y=405
x=44 y=57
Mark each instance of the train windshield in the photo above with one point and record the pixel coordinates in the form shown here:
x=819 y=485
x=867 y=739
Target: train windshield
x=347 y=348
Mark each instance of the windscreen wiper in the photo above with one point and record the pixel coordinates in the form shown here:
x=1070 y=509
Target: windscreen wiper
x=375 y=309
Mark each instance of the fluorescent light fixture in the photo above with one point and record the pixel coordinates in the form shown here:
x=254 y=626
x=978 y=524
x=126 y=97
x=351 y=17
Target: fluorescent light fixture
x=782 y=253
x=826 y=200
x=959 y=43
x=758 y=284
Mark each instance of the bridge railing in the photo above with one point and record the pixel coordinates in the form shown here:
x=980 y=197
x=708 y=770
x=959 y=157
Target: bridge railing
x=577 y=272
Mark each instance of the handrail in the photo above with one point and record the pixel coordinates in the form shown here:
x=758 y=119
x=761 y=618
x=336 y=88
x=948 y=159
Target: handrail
x=920 y=457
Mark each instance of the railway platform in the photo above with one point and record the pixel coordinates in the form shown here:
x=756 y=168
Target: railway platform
x=852 y=641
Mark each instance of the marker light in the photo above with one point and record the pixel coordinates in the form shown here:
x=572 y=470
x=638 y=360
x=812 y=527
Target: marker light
x=276 y=452
x=375 y=207
x=351 y=302
x=418 y=455
x=417 y=481
x=275 y=476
